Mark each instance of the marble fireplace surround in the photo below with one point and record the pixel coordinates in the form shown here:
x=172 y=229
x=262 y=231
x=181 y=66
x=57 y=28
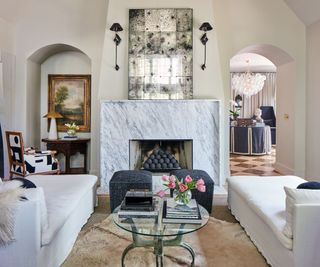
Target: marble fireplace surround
x=124 y=120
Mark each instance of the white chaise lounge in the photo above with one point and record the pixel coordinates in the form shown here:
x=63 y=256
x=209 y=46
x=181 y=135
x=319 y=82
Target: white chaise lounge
x=47 y=225
x=259 y=204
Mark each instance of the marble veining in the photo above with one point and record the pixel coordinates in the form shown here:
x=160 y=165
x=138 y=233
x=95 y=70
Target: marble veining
x=124 y=120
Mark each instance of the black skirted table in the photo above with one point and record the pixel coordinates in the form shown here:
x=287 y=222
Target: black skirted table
x=251 y=140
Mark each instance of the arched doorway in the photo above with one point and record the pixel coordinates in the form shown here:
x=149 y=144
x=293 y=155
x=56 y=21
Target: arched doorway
x=285 y=68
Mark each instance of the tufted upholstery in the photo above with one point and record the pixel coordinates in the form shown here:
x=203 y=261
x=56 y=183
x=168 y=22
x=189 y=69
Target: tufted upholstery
x=123 y=181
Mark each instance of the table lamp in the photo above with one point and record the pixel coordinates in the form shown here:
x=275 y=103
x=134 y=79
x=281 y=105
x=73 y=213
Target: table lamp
x=53 y=134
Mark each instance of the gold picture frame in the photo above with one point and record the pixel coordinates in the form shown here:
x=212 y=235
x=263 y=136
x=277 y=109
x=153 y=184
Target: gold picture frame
x=70 y=95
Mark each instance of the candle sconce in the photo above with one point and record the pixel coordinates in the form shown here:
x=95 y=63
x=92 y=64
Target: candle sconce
x=116 y=27
x=204 y=39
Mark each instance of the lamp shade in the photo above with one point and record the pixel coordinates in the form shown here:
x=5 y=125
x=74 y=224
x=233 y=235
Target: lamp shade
x=116 y=27
x=205 y=27
x=53 y=114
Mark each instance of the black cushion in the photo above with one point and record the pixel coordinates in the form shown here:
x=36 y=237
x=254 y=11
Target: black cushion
x=25 y=183
x=309 y=185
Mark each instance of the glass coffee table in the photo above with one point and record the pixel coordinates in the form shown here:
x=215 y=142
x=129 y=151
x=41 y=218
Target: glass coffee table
x=161 y=234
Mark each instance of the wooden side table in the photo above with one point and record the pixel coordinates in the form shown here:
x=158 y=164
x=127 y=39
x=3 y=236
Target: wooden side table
x=69 y=148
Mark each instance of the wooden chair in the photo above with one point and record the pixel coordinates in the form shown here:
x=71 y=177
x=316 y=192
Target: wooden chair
x=23 y=163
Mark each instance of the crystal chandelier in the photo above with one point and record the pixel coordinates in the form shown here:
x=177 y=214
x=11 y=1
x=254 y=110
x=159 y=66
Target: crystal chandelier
x=247 y=83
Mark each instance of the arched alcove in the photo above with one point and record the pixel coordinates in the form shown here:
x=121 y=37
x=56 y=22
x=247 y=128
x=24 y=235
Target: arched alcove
x=285 y=83
x=34 y=84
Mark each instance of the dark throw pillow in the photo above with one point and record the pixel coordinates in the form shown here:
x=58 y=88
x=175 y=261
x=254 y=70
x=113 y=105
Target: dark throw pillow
x=25 y=183
x=309 y=185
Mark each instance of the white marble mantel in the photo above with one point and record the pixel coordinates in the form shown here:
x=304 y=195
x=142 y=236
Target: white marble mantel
x=123 y=120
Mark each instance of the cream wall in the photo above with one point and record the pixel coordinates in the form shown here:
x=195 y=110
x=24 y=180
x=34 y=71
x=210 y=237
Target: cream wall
x=207 y=84
x=7 y=40
x=6 y=51
x=62 y=63
x=285 y=119
x=313 y=98
x=237 y=24
x=33 y=104
x=240 y=24
x=7 y=59
x=78 y=23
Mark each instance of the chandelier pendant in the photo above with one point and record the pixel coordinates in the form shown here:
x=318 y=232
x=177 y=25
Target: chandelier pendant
x=248 y=83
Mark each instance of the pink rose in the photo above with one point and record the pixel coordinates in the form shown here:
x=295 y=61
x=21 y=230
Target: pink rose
x=161 y=193
x=201 y=188
x=182 y=187
x=188 y=179
x=172 y=178
x=172 y=185
x=200 y=185
x=200 y=182
x=164 y=178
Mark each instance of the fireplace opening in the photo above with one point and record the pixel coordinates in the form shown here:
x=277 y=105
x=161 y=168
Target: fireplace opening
x=160 y=155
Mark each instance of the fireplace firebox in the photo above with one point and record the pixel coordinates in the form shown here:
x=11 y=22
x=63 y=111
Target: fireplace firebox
x=160 y=155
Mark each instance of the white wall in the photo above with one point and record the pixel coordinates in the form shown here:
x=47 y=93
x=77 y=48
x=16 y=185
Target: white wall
x=237 y=24
x=61 y=63
x=285 y=156
x=33 y=104
x=313 y=98
x=73 y=22
x=240 y=24
x=207 y=84
x=7 y=36
x=114 y=84
x=7 y=60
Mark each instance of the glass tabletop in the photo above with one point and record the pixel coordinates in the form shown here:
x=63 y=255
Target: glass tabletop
x=155 y=226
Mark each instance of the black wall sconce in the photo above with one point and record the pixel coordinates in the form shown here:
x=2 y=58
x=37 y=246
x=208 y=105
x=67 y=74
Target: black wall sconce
x=116 y=27
x=204 y=39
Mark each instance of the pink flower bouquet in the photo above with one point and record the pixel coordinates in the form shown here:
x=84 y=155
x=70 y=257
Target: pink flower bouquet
x=181 y=189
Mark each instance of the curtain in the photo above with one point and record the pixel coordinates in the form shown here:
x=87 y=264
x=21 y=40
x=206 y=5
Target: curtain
x=266 y=97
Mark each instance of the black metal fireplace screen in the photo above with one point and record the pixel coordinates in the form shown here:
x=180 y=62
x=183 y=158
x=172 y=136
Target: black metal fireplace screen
x=160 y=155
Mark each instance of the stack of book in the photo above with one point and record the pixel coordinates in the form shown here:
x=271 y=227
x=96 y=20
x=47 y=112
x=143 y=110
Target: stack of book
x=68 y=137
x=139 y=204
x=174 y=213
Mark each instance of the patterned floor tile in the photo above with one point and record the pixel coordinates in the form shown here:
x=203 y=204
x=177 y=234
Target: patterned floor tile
x=241 y=165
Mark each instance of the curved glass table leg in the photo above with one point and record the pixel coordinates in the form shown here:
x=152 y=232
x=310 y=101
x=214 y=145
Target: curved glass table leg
x=124 y=253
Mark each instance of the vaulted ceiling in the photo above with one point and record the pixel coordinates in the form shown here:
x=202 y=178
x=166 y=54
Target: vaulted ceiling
x=307 y=10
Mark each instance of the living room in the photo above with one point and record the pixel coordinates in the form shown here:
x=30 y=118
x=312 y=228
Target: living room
x=44 y=41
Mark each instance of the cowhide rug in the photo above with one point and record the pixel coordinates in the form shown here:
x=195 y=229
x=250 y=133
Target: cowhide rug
x=218 y=244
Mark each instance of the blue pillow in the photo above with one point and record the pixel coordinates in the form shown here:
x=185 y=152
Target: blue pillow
x=309 y=185
x=25 y=183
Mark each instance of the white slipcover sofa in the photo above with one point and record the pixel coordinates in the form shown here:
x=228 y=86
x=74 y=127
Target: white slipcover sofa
x=47 y=225
x=259 y=204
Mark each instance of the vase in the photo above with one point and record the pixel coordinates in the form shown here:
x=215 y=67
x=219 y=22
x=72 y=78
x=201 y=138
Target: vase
x=182 y=198
x=71 y=132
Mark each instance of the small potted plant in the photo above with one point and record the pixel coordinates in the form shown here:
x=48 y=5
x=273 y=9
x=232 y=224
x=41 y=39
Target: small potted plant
x=181 y=189
x=72 y=129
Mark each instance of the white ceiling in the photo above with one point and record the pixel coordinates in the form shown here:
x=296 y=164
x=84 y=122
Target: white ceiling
x=307 y=10
x=257 y=63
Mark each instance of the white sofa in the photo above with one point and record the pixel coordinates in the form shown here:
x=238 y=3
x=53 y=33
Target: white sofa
x=259 y=204
x=47 y=225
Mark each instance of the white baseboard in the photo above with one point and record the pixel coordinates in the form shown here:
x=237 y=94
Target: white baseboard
x=283 y=169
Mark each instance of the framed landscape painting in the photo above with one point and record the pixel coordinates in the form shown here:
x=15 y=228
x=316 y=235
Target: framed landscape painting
x=69 y=95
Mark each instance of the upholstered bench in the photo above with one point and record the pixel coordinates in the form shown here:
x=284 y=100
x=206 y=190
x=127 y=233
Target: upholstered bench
x=204 y=199
x=123 y=181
